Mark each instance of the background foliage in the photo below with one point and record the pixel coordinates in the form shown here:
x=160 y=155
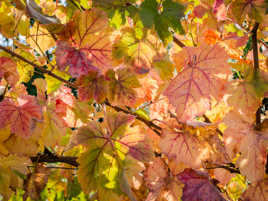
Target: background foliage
x=133 y=100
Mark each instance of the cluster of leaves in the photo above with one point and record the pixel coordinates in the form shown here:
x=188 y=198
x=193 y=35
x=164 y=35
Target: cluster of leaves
x=133 y=100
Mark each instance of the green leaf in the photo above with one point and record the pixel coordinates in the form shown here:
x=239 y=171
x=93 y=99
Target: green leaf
x=117 y=18
x=148 y=12
x=174 y=11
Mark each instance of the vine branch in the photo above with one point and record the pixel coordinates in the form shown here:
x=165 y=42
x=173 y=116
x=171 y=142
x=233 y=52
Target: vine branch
x=256 y=67
x=41 y=68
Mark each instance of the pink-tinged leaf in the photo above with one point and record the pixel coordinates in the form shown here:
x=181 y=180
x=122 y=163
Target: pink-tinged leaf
x=161 y=183
x=204 y=74
x=20 y=115
x=199 y=11
x=90 y=36
x=243 y=99
x=8 y=70
x=183 y=148
x=198 y=187
x=220 y=10
x=92 y=86
x=237 y=128
x=257 y=191
x=77 y=61
x=252 y=160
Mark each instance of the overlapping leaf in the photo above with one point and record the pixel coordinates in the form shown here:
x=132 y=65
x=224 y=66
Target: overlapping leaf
x=137 y=47
x=182 y=148
x=252 y=160
x=161 y=183
x=8 y=70
x=20 y=116
x=77 y=61
x=203 y=76
x=91 y=44
x=107 y=145
x=198 y=187
x=121 y=86
x=258 y=191
x=92 y=86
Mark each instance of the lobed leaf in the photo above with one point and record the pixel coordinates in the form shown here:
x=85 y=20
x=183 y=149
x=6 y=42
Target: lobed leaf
x=203 y=76
x=20 y=116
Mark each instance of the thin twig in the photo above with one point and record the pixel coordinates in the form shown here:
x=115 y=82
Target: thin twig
x=41 y=68
x=178 y=42
x=150 y=124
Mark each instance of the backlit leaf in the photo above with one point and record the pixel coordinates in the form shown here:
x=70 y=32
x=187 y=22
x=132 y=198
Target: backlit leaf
x=203 y=76
x=20 y=116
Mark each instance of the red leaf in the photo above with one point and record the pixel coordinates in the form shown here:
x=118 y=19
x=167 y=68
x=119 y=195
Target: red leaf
x=78 y=61
x=20 y=116
x=89 y=35
x=198 y=187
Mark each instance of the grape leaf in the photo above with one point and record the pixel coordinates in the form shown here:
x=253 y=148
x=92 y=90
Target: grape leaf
x=254 y=9
x=258 y=191
x=121 y=84
x=243 y=98
x=78 y=61
x=8 y=70
x=161 y=183
x=204 y=74
x=137 y=47
x=20 y=116
x=91 y=44
x=198 y=187
x=107 y=144
x=40 y=39
x=252 y=160
x=236 y=129
x=92 y=86
x=182 y=147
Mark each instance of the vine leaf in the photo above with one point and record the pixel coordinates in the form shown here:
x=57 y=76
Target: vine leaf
x=77 y=61
x=161 y=184
x=243 y=98
x=108 y=145
x=198 y=186
x=8 y=70
x=203 y=76
x=93 y=85
x=238 y=137
x=253 y=9
x=252 y=160
x=88 y=36
x=137 y=47
x=258 y=191
x=121 y=87
x=182 y=148
x=20 y=115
